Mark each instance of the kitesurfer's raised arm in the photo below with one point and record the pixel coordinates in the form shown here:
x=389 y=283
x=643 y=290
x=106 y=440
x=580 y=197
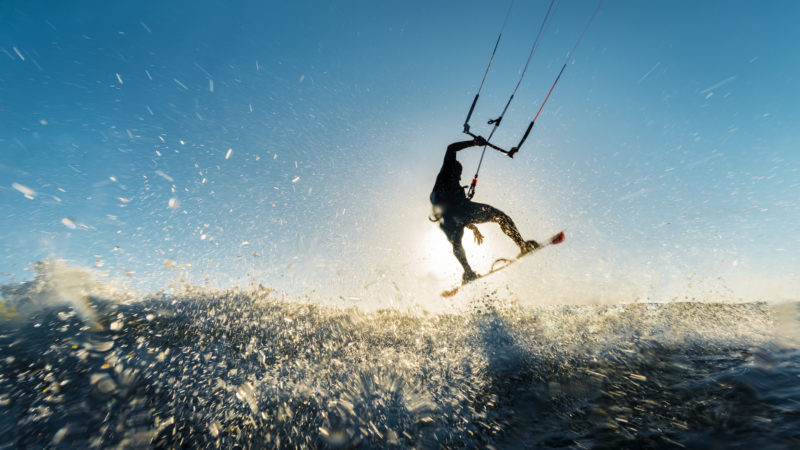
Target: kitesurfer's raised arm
x=458 y=146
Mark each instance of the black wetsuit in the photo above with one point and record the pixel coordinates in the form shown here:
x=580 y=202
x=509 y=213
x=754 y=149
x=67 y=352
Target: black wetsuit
x=447 y=189
x=457 y=211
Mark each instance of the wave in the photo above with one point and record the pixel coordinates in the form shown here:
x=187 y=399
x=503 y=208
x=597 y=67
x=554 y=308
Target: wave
x=84 y=367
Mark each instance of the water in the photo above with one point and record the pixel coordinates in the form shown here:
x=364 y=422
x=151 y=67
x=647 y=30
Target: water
x=204 y=368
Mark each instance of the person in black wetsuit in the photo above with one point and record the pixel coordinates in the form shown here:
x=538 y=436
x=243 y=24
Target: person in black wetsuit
x=455 y=211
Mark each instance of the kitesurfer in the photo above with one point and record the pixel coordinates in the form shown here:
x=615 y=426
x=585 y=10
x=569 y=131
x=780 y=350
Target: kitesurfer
x=454 y=211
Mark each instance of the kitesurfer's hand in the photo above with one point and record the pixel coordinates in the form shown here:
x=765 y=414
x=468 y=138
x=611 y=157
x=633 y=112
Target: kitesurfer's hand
x=480 y=141
x=478 y=235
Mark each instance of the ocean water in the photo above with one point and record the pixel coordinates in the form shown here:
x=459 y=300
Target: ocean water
x=84 y=366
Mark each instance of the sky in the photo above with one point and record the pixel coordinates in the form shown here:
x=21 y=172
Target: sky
x=294 y=144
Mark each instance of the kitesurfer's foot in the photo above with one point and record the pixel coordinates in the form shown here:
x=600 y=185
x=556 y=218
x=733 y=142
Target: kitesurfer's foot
x=528 y=247
x=468 y=276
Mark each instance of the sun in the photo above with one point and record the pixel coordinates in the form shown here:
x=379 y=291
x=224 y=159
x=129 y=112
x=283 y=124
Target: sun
x=439 y=261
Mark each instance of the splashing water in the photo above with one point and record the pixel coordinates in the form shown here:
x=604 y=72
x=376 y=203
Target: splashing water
x=221 y=368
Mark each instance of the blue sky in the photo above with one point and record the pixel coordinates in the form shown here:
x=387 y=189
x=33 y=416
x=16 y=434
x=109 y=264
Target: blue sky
x=669 y=141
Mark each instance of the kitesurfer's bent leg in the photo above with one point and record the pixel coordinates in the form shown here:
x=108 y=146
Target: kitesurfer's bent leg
x=481 y=213
x=454 y=234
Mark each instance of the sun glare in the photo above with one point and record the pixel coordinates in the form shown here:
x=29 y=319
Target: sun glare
x=437 y=253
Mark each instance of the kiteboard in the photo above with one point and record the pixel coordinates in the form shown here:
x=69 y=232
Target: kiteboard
x=502 y=263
